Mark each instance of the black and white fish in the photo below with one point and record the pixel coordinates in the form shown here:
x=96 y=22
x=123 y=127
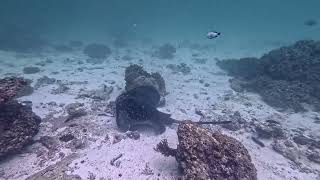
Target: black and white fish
x=213 y=34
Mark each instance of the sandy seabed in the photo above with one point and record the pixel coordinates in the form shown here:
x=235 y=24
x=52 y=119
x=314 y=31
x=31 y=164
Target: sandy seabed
x=102 y=152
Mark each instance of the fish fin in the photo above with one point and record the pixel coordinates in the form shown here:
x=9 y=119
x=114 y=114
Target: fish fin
x=165 y=118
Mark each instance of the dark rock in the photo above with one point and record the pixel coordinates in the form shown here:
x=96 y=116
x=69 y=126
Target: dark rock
x=99 y=51
x=285 y=78
x=302 y=140
x=18 y=124
x=31 y=70
x=136 y=76
x=10 y=87
x=205 y=155
x=314 y=157
x=165 y=51
x=66 y=138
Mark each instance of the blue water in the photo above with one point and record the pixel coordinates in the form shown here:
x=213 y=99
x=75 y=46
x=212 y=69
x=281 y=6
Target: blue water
x=240 y=22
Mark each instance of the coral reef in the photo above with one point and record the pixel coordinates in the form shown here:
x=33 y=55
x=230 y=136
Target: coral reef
x=285 y=78
x=18 y=124
x=136 y=76
x=205 y=155
x=165 y=51
x=99 y=51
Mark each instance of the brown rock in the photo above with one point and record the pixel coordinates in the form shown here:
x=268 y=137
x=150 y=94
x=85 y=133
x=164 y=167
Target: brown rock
x=205 y=155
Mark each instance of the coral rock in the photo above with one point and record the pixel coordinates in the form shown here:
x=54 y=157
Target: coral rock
x=18 y=124
x=205 y=155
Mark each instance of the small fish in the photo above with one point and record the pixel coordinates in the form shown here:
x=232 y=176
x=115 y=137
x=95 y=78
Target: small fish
x=213 y=34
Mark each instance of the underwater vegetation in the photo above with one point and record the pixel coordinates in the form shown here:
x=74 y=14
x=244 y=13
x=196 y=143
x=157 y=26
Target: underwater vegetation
x=18 y=124
x=285 y=78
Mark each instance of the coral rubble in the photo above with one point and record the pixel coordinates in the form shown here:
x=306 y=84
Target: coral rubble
x=18 y=124
x=205 y=155
x=286 y=78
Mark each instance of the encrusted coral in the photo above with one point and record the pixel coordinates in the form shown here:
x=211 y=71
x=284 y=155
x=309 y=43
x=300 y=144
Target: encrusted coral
x=99 y=51
x=9 y=88
x=204 y=155
x=284 y=77
x=18 y=124
x=136 y=76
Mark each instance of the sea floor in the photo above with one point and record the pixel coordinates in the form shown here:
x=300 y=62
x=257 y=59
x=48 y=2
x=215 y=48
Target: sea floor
x=97 y=150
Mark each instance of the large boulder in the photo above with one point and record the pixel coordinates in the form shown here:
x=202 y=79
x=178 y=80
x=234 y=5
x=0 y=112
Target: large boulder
x=18 y=124
x=204 y=155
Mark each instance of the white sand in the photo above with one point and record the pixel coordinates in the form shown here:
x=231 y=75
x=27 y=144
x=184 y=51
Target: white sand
x=137 y=154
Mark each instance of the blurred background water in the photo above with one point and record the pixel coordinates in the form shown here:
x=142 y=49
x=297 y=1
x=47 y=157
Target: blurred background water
x=242 y=23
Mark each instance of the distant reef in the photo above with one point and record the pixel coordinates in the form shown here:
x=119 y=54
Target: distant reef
x=285 y=78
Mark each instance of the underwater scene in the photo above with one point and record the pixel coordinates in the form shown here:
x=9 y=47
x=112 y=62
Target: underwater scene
x=159 y=90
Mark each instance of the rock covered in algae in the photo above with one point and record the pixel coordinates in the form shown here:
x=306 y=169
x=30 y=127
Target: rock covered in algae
x=136 y=76
x=202 y=154
x=18 y=124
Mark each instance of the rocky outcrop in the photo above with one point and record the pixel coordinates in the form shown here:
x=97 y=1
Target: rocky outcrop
x=18 y=124
x=136 y=76
x=285 y=78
